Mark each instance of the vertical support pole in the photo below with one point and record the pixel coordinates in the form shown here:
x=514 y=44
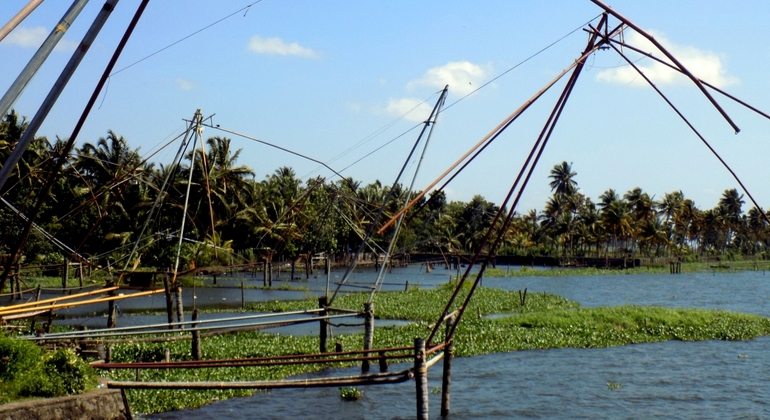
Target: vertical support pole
x=169 y=303
x=328 y=274
x=446 y=380
x=65 y=273
x=368 y=333
x=13 y=287
x=126 y=407
x=383 y=362
x=18 y=281
x=111 y=307
x=80 y=275
x=37 y=295
x=324 y=324
x=421 y=379
x=179 y=304
x=243 y=295
x=270 y=273
x=196 y=338
x=264 y=273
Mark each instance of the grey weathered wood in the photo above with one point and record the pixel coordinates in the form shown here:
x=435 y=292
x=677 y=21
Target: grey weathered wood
x=421 y=379
x=196 y=338
x=169 y=303
x=368 y=333
x=446 y=380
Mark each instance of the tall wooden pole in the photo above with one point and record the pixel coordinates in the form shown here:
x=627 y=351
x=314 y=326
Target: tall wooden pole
x=421 y=379
x=446 y=380
x=368 y=333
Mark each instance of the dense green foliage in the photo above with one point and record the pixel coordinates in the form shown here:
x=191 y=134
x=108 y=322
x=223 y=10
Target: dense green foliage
x=101 y=202
x=25 y=371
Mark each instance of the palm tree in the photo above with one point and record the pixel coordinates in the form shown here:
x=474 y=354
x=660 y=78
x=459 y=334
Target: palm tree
x=563 y=179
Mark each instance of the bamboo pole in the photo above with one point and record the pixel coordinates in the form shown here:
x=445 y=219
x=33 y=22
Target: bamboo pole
x=19 y=17
x=301 y=383
x=80 y=303
x=44 y=301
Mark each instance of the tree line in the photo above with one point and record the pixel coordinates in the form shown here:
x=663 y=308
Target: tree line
x=99 y=205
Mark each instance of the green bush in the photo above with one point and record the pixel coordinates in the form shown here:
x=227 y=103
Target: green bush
x=16 y=357
x=59 y=373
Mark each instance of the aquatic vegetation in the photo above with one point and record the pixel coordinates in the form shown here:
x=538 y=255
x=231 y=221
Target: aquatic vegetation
x=545 y=321
x=350 y=393
x=614 y=385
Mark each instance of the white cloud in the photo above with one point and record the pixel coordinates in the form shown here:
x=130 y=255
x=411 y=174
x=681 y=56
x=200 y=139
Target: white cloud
x=34 y=37
x=705 y=65
x=412 y=109
x=277 y=46
x=463 y=77
x=185 y=84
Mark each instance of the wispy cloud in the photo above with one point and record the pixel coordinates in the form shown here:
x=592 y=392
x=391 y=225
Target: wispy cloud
x=277 y=46
x=705 y=65
x=411 y=109
x=34 y=37
x=185 y=84
x=462 y=77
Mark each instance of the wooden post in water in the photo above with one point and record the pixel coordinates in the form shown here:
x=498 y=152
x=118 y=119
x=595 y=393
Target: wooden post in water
x=18 y=281
x=270 y=273
x=243 y=295
x=196 y=338
x=421 y=379
x=65 y=273
x=111 y=312
x=264 y=274
x=328 y=274
x=323 y=325
x=169 y=302
x=446 y=380
x=368 y=333
x=80 y=275
x=179 y=304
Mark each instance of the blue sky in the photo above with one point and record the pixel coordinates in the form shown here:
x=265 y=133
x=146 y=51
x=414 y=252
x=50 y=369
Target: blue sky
x=331 y=79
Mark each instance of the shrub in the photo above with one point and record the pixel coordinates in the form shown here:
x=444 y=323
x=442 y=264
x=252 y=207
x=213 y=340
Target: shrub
x=16 y=357
x=60 y=373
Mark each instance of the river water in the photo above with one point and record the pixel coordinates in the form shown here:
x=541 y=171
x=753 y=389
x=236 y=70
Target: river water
x=710 y=379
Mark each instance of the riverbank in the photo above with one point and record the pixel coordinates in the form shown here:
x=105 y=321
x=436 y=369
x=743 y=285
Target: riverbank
x=544 y=321
x=686 y=267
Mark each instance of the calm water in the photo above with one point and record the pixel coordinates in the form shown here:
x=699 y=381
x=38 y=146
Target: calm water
x=712 y=379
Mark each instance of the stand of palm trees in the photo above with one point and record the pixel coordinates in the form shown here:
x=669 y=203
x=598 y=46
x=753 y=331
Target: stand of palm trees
x=100 y=204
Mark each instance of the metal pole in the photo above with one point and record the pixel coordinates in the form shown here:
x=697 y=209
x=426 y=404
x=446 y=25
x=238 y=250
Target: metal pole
x=40 y=56
x=56 y=90
x=16 y=20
